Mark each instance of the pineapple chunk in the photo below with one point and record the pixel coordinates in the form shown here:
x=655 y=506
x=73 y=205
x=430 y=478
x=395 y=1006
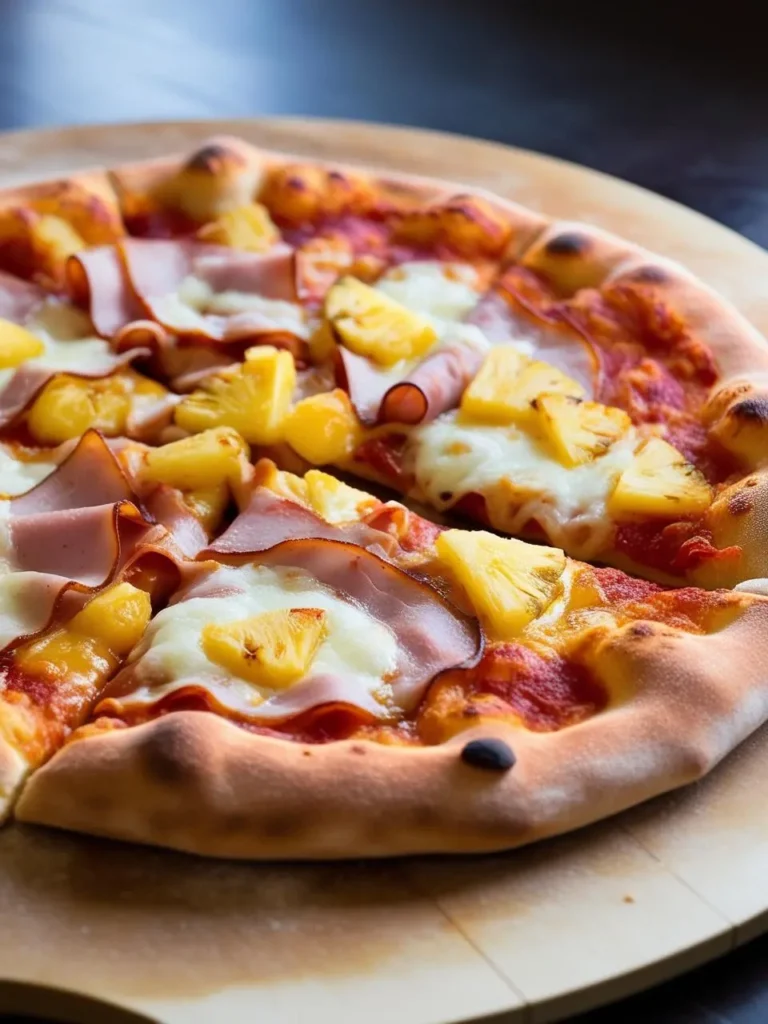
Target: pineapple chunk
x=68 y=406
x=274 y=649
x=660 y=482
x=208 y=504
x=254 y=399
x=56 y=240
x=117 y=617
x=579 y=431
x=334 y=500
x=509 y=582
x=373 y=325
x=507 y=384
x=92 y=643
x=245 y=227
x=17 y=345
x=324 y=428
x=200 y=462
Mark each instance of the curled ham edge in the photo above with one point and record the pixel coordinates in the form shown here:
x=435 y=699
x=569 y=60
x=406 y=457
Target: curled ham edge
x=108 y=501
x=437 y=383
x=433 y=637
x=123 y=287
x=270 y=519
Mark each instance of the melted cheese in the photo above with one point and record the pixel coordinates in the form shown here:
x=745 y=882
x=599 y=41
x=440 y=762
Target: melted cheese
x=439 y=291
x=18 y=614
x=449 y=460
x=358 y=648
x=195 y=299
x=18 y=476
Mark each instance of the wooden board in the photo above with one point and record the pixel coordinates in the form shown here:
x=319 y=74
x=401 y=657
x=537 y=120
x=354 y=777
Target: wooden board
x=533 y=935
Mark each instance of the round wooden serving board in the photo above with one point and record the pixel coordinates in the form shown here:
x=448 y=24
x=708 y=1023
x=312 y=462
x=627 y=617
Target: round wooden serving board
x=533 y=935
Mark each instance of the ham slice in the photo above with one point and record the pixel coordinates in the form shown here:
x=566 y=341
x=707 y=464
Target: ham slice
x=28 y=603
x=554 y=343
x=270 y=519
x=166 y=506
x=96 y=281
x=19 y=299
x=157 y=268
x=432 y=637
x=435 y=386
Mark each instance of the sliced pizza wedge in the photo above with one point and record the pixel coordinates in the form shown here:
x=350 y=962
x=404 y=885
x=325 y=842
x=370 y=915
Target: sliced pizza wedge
x=341 y=678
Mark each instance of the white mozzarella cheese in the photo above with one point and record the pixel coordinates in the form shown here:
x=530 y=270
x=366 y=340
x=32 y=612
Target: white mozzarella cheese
x=195 y=299
x=358 y=648
x=450 y=459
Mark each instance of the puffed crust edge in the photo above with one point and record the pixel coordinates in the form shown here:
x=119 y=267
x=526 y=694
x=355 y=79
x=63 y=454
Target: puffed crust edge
x=194 y=782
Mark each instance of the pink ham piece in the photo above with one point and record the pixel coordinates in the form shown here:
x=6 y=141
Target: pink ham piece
x=166 y=506
x=156 y=268
x=435 y=386
x=552 y=343
x=96 y=281
x=271 y=519
x=79 y=523
x=432 y=635
x=19 y=299
x=38 y=595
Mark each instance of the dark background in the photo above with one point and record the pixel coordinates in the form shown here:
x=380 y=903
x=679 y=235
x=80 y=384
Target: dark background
x=665 y=95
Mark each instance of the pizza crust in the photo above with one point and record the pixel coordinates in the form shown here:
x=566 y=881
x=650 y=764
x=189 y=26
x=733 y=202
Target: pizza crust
x=198 y=783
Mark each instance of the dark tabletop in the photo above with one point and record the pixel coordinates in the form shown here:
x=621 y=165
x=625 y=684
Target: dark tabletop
x=660 y=93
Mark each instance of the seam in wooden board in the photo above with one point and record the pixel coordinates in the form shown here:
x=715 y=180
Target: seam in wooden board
x=421 y=892
x=683 y=881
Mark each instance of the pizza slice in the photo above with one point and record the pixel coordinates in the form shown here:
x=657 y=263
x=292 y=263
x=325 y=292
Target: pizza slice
x=340 y=677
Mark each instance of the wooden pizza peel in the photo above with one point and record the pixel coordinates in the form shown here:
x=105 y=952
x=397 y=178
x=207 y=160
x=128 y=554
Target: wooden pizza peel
x=99 y=931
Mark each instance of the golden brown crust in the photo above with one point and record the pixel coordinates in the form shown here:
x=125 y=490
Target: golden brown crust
x=87 y=201
x=195 y=782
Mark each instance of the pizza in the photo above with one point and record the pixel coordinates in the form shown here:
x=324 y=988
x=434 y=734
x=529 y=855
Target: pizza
x=345 y=514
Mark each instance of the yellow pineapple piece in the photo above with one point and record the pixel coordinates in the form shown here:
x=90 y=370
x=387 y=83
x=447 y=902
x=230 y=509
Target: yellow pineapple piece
x=660 y=482
x=17 y=344
x=55 y=239
x=334 y=500
x=371 y=324
x=273 y=649
x=68 y=406
x=509 y=582
x=254 y=399
x=208 y=504
x=579 y=431
x=245 y=227
x=199 y=462
x=506 y=385
x=117 y=617
x=324 y=428
x=92 y=643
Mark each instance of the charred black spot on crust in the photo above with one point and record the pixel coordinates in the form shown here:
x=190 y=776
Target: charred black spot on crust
x=208 y=158
x=336 y=176
x=445 y=495
x=640 y=629
x=754 y=410
x=570 y=243
x=739 y=504
x=490 y=754
x=297 y=183
x=357 y=748
x=649 y=275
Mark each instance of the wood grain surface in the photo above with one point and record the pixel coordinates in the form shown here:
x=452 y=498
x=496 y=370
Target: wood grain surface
x=536 y=935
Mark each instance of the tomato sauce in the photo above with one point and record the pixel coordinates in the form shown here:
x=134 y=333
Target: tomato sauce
x=547 y=693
